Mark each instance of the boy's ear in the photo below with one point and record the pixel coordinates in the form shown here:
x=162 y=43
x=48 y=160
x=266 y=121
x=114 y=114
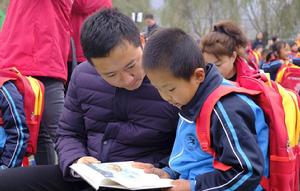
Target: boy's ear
x=234 y=54
x=199 y=75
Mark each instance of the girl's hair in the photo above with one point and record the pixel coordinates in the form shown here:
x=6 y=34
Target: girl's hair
x=292 y=43
x=278 y=46
x=225 y=38
x=270 y=56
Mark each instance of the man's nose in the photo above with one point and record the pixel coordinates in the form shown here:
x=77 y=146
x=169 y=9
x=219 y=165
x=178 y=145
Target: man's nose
x=126 y=78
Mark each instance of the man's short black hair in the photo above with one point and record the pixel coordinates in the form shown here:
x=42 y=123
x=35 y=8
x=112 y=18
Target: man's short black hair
x=149 y=16
x=106 y=29
x=174 y=50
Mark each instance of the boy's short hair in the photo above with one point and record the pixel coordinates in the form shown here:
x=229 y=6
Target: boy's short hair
x=106 y=29
x=174 y=50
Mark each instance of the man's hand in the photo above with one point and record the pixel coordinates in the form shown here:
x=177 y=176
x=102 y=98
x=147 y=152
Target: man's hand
x=88 y=160
x=150 y=169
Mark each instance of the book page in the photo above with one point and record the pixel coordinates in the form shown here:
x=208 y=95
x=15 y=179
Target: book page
x=122 y=173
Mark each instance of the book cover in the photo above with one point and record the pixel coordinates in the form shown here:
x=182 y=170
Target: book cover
x=119 y=175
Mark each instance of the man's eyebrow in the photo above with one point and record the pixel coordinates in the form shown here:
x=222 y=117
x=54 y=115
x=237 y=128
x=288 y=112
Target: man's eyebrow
x=129 y=63
x=108 y=73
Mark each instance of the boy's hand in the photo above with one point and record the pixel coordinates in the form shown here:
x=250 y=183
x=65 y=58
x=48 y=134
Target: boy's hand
x=180 y=185
x=150 y=169
x=88 y=160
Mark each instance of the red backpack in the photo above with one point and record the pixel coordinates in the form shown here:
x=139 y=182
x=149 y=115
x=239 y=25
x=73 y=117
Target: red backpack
x=32 y=92
x=281 y=108
x=288 y=76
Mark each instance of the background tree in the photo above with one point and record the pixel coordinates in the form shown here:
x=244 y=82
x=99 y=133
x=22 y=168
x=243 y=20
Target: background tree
x=273 y=17
x=129 y=6
x=4 y=4
x=197 y=16
x=3 y=7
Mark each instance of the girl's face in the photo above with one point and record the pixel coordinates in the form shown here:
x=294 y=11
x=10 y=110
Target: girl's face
x=224 y=63
x=284 y=52
x=294 y=48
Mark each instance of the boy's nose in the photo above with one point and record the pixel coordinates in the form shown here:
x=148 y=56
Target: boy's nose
x=167 y=98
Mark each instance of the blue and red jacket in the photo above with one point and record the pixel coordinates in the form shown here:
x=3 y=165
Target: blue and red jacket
x=239 y=136
x=14 y=133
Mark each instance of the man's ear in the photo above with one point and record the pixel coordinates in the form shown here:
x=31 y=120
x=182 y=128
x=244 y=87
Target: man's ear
x=199 y=75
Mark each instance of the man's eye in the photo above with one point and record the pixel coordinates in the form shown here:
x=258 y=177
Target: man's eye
x=110 y=75
x=130 y=66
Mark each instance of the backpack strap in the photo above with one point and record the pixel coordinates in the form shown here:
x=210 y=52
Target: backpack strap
x=204 y=118
x=281 y=71
x=265 y=182
x=7 y=75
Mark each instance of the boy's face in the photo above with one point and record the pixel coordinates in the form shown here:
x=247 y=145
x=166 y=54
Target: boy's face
x=225 y=64
x=176 y=91
x=122 y=67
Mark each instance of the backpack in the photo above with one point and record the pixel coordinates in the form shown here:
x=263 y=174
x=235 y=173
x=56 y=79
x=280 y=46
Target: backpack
x=296 y=61
x=288 y=76
x=281 y=109
x=32 y=92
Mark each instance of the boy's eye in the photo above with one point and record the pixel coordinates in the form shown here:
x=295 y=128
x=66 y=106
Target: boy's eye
x=171 y=90
x=218 y=63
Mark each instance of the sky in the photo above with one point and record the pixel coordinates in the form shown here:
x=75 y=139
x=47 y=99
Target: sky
x=156 y=4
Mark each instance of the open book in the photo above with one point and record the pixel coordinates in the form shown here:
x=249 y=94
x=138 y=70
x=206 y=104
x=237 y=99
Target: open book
x=119 y=175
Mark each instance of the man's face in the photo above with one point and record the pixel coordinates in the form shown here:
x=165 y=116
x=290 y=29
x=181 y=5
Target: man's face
x=176 y=91
x=149 y=22
x=122 y=67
